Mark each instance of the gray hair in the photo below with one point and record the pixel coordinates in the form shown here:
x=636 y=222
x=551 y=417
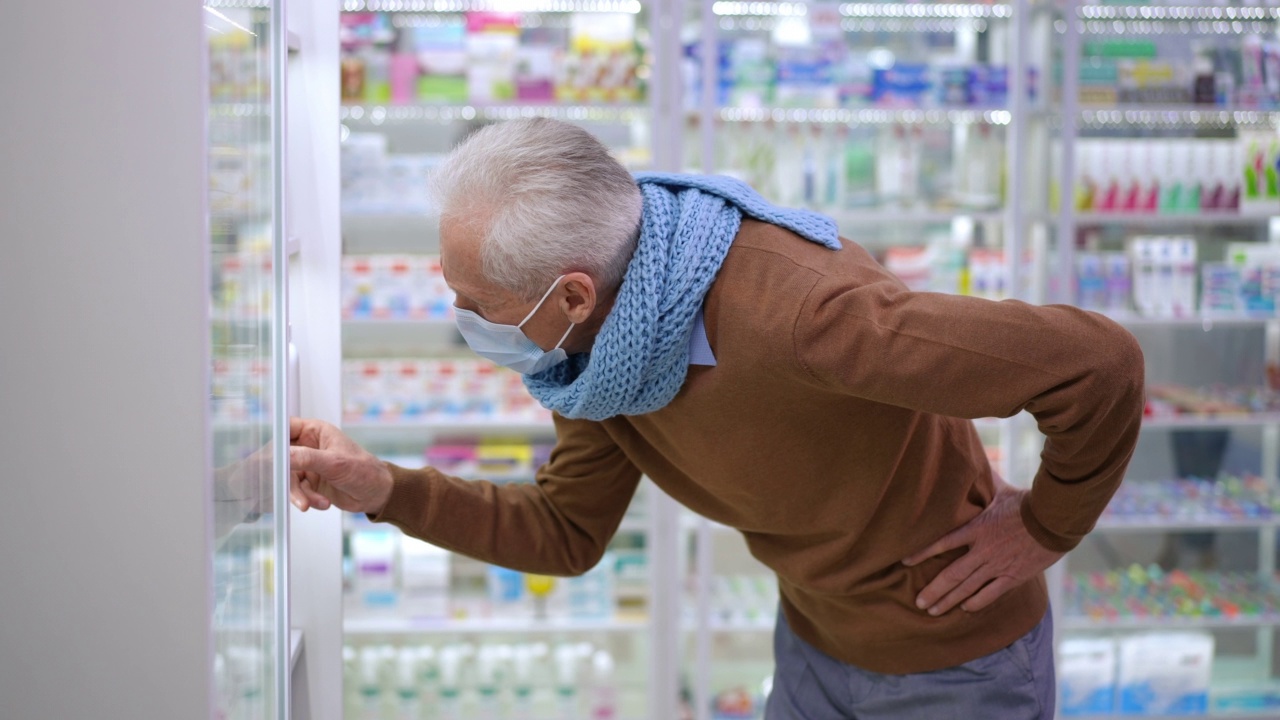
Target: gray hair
x=554 y=199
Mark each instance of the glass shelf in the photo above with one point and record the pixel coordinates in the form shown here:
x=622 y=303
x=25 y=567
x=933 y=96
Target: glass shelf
x=378 y=114
x=1168 y=622
x=864 y=116
x=402 y=626
x=420 y=429
x=1205 y=323
x=524 y=6
x=1211 y=421
x=1172 y=220
x=1177 y=116
x=869 y=10
x=1157 y=523
x=1175 y=13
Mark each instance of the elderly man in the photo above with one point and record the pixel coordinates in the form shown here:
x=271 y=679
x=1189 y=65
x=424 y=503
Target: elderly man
x=771 y=376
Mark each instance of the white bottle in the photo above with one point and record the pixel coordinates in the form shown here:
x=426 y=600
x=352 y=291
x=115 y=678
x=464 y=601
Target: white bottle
x=408 y=690
x=371 y=682
x=567 y=657
x=489 y=663
x=523 y=659
x=451 y=657
x=604 y=694
x=1165 y=267
x=1143 y=276
x=1185 y=273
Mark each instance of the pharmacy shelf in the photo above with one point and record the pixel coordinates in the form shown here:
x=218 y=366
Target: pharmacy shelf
x=717 y=625
x=910 y=216
x=1178 y=422
x=1157 y=523
x=402 y=626
x=424 y=430
x=397 y=338
x=1078 y=622
x=863 y=116
x=869 y=10
x=1176 y=115
x=1174 y=13
x=524 y=6
x=245 y=110
x=1174 y=221
x=1204 y=322
x=404 y=233
x=379 y=114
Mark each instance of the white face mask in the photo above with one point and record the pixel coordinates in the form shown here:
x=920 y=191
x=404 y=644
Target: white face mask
x=507 y=345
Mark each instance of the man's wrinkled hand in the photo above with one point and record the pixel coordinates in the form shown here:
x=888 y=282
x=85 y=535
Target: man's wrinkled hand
x=1001 y=556
x=327 y=468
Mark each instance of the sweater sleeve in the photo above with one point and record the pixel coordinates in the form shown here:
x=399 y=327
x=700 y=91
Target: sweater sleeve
x=1079 y=374
x=559 y=525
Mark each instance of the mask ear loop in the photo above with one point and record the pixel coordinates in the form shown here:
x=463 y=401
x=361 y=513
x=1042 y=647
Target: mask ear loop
x=537 y=307
x=565 y=335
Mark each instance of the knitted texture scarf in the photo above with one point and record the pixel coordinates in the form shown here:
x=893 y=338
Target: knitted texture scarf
x=641 y=354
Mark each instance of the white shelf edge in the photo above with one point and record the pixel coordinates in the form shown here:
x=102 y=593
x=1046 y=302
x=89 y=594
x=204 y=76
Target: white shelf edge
x=1206 y=322
x=378 y=114
x=398 y=626
x=1211 y=421
x=910 y=216
x=1158 y=525
x=449 y=427
x=1137 y=218
x=1157 y=623
x=294 y=42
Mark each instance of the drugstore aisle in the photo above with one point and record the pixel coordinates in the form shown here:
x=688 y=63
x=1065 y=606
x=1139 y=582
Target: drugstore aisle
x=1121 y=158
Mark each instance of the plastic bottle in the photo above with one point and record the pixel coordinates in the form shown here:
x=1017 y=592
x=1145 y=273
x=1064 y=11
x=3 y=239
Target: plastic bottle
x=1143 y=276
x=604 y=695
x=1184 y=277
x=1165 y=287
x=451 y=657
x=1170 y=181
x=489 y=678
x=370 y=683
x=567 y=657
x=523 y=659
x=408 y=691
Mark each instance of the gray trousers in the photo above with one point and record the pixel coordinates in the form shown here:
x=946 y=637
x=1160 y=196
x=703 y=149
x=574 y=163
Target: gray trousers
x=1016 y=683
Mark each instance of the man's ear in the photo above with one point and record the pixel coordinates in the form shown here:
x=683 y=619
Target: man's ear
x=578 y=299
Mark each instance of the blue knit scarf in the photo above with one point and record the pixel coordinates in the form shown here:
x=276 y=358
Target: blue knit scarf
x=641 y=354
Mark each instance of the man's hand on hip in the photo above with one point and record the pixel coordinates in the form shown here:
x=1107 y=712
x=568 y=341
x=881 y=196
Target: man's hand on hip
x=328 y=468
x=1002 y=555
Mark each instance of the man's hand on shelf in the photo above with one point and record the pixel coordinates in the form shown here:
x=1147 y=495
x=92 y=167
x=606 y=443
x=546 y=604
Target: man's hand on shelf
x=1001 y=556
x=328 y=468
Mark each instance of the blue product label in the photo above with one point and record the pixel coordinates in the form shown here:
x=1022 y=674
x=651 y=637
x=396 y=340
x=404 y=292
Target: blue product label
x=1142 y=698
x=1099 y=702
x=901 y=84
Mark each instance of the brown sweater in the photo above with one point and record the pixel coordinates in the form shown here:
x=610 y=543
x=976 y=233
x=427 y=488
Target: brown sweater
x=834 y=433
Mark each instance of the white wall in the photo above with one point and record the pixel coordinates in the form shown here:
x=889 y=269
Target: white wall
x=104 y=601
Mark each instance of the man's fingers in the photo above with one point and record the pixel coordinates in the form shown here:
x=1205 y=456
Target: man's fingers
x=296 y=426
x=988 y=594
x=962 y=592
x=317 y=499
x=296 y=495
x=310 y=460
x=960 y=537
x=947 y=580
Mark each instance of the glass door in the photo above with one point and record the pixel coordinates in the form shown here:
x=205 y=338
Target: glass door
x=250 y=621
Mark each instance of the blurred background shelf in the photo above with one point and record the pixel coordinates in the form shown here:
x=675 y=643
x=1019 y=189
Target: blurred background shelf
x=1076 y=622
x=403 y=626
